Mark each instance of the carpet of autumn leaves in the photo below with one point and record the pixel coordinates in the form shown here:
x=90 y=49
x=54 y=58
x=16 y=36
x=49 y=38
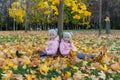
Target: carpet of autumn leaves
x=31 y=67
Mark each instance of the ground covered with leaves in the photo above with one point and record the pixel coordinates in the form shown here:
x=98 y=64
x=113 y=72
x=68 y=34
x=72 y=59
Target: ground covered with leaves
x=32 y=67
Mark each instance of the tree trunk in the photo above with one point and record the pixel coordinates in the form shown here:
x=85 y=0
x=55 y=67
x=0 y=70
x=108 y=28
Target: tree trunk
x=60 y=18
x=100 y=16
x=108 y=26
x=27 y=14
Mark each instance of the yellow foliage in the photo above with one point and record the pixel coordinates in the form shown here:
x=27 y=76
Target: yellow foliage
x=53 y=7
x=16 y=4
x=31 y=77
x=87 y=13
x=72 y=54
x=17 y=12
x=53 y=78
x=74 y=8
x=44 y=69
x=76 y=17
x=56 y=13
x=80 y=11
x=116 y=66
x=83 y=7
x=10 y=64
x=26 y=60
x=43 y=5
x=68 y=74
x=75 y=67
x=56 y=2
x=6 y=67
x=56 y=78
x=106 y=59
x=47 y=12
x=68 y=4
x=7 y=75
x=104 y=67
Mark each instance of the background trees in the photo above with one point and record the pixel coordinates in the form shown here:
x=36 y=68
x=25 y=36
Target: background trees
x=109 y=7
x=17 y=12
x=43 y=14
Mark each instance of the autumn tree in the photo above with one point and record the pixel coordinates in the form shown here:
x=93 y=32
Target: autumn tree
x=51 y=11
x=17 y=12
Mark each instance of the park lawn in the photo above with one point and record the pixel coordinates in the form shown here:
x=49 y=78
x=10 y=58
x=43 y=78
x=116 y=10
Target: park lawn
x=31 y=66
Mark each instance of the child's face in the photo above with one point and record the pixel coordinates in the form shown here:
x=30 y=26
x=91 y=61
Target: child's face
x=52 y=36
x=67 y=39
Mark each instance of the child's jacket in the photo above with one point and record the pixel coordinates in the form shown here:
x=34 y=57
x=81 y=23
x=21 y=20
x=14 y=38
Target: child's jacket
x=52 y=47
x=65 y=47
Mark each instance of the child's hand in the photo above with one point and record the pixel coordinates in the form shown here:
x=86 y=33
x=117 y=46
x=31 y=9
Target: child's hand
x=71 y=42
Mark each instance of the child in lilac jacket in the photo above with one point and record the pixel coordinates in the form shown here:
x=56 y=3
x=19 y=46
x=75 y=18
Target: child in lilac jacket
x=66 y=46
x=53 y=43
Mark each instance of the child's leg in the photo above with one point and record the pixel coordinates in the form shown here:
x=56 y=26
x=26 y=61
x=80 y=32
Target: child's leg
x=42 y=54
x=91 y=56
x=82 y=56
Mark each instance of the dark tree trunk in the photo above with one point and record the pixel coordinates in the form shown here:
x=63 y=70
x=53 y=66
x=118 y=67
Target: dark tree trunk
x=27 y=14
x=108 y=26
x=60 y=18
x=100 y=16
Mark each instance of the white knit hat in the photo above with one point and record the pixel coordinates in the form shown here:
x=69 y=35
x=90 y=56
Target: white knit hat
x=53 y=31
x=67 y=34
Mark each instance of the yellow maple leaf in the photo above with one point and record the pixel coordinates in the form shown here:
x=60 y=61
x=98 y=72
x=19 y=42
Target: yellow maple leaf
x=26 y=60
x=104 y=67
x=83 y=7
x=44 y=69
x=10 y=64
x=68 y=74
x=87 y=13
x=74 y=67
x=56 y=78
x=47 y=12
x=31 y=77
x=76 y=17
x=53 y=7
x=53 y=78
x=105 y=59
x=56 y=2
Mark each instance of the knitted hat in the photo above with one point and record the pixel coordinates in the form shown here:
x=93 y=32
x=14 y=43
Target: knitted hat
x=53 y=31
x=67 y=34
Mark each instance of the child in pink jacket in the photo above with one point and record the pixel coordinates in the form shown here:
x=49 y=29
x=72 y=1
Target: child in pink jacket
x=53 y=43
x=66 y=45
